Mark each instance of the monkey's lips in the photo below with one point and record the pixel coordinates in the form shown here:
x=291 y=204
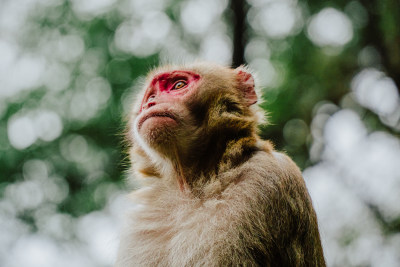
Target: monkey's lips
x=163 y=115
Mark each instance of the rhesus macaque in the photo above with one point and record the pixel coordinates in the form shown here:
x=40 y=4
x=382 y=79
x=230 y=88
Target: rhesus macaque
x=213 y=193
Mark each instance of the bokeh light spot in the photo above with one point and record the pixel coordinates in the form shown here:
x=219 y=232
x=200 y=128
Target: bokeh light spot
x=330 y=27
x=295 y=132
x=279 y=19
x=21 y=132
x=48 y=125
x=374 y=90
x=216 y=48
x=35 y=169
x=75 y=148
x=197 y=16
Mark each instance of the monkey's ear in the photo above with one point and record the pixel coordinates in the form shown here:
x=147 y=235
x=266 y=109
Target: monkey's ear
x=246 y=85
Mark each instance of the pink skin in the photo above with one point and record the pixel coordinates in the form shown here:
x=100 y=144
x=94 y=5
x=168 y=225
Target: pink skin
x=162 y=87
x=163 y=91
x=246 y=81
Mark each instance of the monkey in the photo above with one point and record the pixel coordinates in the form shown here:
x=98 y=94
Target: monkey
x=212 y=192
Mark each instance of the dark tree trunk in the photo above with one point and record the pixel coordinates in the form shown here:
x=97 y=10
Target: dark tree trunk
x=239 y=11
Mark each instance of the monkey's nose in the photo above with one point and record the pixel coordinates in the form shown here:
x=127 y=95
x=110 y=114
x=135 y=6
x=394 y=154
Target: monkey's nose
x=150 y=102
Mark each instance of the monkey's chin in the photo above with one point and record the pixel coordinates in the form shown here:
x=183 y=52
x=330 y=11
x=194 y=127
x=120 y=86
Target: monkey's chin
x=160 y=120
x=158 y=131
x=156 y=122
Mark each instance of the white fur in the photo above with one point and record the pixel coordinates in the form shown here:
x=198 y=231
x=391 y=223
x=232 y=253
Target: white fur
x=163 y=163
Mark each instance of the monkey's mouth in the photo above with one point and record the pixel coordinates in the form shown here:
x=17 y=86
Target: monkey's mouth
x=155 y=115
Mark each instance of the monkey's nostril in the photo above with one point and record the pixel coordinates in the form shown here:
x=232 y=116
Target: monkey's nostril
x=150 y=102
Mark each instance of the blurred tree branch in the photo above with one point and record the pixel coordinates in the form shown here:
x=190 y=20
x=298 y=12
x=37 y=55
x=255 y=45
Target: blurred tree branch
x=383 y=32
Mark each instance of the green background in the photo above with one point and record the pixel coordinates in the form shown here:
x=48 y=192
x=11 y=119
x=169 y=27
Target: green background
x=328 y=72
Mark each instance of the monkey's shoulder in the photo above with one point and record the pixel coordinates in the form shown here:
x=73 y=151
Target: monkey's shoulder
x=270 y=166
x=265 y=177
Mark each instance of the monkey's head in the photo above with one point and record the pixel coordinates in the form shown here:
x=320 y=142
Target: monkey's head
x=186 y=112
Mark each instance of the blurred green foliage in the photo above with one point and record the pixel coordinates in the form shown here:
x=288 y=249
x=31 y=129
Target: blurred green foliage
x=87 y=77
x=310 y=76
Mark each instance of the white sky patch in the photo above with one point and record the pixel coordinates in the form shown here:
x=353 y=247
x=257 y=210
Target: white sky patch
x=330 y=27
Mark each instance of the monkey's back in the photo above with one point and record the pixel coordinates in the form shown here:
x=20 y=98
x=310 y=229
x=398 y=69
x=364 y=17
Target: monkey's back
x=257 y=214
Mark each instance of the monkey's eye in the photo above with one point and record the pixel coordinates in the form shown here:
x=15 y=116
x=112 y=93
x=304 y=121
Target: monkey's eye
x=178 y=85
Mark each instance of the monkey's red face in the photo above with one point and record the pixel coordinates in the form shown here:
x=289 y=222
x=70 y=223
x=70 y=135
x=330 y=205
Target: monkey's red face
x=169 y=87
x=162 y=109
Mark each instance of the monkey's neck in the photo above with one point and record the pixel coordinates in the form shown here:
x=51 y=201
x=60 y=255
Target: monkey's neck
x=203 y=165
x=199 y=165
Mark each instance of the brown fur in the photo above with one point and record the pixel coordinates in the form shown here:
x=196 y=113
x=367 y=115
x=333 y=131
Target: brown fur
x=214 y=193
